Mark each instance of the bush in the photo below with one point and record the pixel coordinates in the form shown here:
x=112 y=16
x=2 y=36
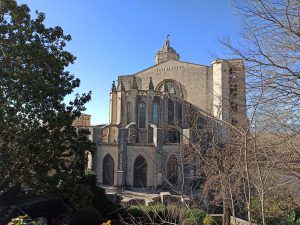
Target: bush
x=136 y=211
x=87 y=216
x=100 y=200
x=208 y=220
x=277 y=221
x=155 y=209
x=189 y=221
x=174 y=213
x=22 y=220
x=294 y=216
x=198 y=215
x=155 y=212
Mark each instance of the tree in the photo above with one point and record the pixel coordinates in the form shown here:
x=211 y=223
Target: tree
x=270 y=49
x=39 y=147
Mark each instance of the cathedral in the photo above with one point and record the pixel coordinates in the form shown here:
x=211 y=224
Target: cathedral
x=150 y=118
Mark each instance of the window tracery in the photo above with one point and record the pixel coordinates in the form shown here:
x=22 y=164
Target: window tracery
x=171 y=86
x=142 y=115
x=155 y=113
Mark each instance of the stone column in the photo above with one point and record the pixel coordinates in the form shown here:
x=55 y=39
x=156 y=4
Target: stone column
x=122 y=157
x=159 y=155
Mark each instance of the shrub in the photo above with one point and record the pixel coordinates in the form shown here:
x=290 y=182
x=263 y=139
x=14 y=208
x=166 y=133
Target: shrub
x=157 y=209
x=198 y=215
x=136 y=211
x=22 y=220
x=277 y=221
x=173 y=212
x=87 y=216
x=189 y=221
x=101 y=202
x=294 y=216
x=155 y=212
x=208 y=220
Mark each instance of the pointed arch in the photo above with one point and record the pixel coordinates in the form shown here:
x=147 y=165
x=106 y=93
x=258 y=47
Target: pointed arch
x=140 y=172
x=142 y=115
x=129 y=112
x=108 y=170
x=172 y=169
x=171 y=86
x=155 y=113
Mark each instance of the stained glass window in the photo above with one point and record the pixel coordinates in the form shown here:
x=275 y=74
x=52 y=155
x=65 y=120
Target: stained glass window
x=142 y=115
x=129 y=112
x=155 y=113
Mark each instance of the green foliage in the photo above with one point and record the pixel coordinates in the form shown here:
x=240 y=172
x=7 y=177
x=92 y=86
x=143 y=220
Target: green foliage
x=161 y=214
x=175 y=213
x=156 y=208
x=100 y=200
x=208 y=220
x=136 y=211
x=39 y=146
x=22 y=220
x=189 y=221
x=108 y=208
x=155 y=212
x=294 y=217
x=74 y=190
x=278 y=204
x=197 y=215
x=277 y=221
x=87 y=216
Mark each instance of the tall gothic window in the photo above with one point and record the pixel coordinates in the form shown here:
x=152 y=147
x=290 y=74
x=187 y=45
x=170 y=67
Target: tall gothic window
x=129 y=112
x=179 y=112
x=142 y=115
x=170 y=111
x=155 y=113
x=108 y=170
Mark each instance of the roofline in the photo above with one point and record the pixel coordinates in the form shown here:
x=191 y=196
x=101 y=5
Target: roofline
x=195 y=64
x=161 y=64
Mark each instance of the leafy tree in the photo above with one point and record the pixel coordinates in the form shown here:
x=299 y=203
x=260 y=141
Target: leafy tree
x=39 y=146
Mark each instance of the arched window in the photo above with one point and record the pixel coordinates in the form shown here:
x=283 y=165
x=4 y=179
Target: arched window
x=171 y=86
x=129 y=112
x=142 y=115
x=170 y=111
x=179 y=112
x=155 y=113
x=108 y=170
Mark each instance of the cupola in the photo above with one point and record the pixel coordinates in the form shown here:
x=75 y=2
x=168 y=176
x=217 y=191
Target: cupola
x=166 y=53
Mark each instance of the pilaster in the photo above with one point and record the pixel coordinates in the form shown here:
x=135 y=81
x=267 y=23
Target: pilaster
x=122 y=157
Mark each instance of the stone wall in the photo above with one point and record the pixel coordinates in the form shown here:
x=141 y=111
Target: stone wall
x=237 y=221
x=192 y=77
x=102 y=151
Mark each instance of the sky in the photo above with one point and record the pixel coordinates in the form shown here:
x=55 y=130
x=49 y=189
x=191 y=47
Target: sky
x=120 y=37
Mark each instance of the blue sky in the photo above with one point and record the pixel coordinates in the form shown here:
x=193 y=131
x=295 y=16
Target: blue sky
x=118 y=37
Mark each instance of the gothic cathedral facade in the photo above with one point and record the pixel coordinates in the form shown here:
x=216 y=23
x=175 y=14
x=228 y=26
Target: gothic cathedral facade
x=150 y=118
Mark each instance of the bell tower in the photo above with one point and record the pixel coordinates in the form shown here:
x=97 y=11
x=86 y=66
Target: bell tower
x=166 y=53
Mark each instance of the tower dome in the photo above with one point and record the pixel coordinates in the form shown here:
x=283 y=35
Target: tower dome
x=166 y=53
